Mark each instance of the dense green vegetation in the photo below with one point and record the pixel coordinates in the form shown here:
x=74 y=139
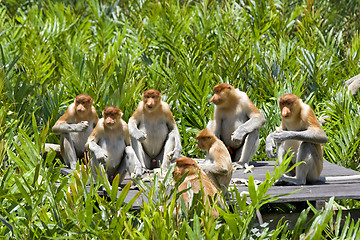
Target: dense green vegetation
x=50 y=51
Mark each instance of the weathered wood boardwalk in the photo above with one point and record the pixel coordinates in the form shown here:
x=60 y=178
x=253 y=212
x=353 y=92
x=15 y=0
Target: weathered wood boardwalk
x=316 y=193
x=340 y=189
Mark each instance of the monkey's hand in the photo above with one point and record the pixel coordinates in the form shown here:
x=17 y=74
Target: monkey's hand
x=174 y=154
x=239 y=134
x=139 y=171
x=81 y=126
x=139 y=135
x=270 y=146
x=101 y=156
x=99 y=153
x=280 y=137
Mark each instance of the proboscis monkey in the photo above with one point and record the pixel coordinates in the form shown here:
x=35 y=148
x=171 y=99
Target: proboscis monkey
x=184 y=165
x=217 y=165
x=302 y=134
x=236 y=122
x=109 y=145
x=75 y=126
x=153 y=132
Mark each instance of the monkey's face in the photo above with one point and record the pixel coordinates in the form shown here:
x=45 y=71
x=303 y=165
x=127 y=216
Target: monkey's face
x=111 y=120
x=204 y=143
x=183 y=165
x=181 y=169
x=205 y=139
x=289 y=105
x=178 y=172
x=151 y=102
x=112 y=116
x=221 y=94
x=83 y=103
x=151 y=99
x=83 y=106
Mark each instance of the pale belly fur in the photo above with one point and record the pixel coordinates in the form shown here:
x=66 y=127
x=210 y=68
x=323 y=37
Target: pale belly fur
x=156 y=135
x=115 y=151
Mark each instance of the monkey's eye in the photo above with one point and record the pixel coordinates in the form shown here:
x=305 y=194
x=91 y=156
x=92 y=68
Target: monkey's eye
x=208 y=137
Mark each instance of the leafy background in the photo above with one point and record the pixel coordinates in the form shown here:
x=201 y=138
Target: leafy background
x=51 y=51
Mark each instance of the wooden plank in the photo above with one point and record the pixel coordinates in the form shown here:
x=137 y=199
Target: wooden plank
x=291 y=218
x=260 y=169
x=319 y=191
x=344 y=189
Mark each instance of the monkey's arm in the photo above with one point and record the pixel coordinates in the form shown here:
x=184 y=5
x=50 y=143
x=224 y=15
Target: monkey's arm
x=213 y=168
x=129 y=151
x=126 y=133
x=63 y=127
x=271 y=146
x=134 y=130
x=254 y=122
x=138 y=170
x=95 y=117
x=317 y=136
x=216 y=126
x=93 y=147
x=175 y=132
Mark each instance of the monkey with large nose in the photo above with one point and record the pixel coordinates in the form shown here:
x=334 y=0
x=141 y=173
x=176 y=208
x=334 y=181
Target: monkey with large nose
x=153 y=131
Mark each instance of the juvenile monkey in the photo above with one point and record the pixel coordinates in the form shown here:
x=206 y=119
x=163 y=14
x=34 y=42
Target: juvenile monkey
x=75 y=126
x=217 y=164
x=184 y=165
x=153 y=131
x=109 y=145
x=302 y=134
x=236 y=122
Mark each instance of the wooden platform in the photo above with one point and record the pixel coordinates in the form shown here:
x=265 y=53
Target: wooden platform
x=320 y=191
x=340 y=189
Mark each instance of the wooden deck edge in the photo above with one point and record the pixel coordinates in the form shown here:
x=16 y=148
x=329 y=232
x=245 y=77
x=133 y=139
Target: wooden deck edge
x=273 y=218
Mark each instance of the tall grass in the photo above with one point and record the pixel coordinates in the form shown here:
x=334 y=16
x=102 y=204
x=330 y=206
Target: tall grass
x=50 y=51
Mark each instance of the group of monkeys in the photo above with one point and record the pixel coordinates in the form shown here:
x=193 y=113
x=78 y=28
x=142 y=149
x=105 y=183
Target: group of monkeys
x=151 y=139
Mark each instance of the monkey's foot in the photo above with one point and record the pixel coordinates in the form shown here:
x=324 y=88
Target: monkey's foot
x=237 y=165
x=283 y=181
x=243 y=181
x=170 y=155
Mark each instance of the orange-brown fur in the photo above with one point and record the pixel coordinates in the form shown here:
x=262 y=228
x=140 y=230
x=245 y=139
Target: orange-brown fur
x=218 y=161
x=109 y=144
x=75 y=126
x=188 y=165
x=236 y=122
x=153 y=131
x=302 y=134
